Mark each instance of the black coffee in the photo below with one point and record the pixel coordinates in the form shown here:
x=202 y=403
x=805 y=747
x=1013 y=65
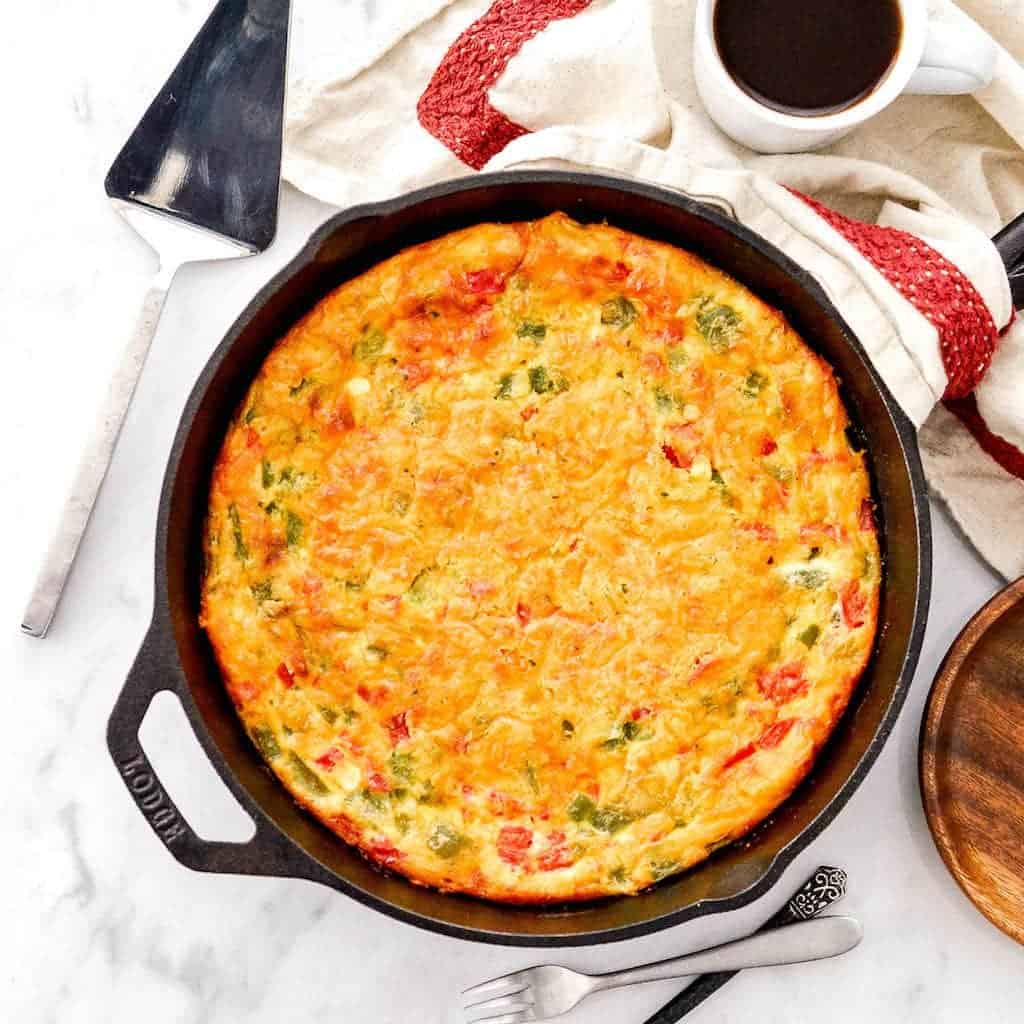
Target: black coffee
x=807 y=57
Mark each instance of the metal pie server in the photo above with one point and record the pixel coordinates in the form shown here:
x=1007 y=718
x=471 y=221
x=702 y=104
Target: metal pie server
x=199 y=180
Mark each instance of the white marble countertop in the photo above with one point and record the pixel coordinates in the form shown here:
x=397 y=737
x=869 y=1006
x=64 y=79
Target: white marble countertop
x=103 y=926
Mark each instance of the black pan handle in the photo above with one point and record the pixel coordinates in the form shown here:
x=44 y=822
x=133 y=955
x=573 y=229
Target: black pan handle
x=269 y=852
x=1010 y=244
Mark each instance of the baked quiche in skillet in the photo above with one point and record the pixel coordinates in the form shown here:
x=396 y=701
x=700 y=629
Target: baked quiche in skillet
x=539 y=564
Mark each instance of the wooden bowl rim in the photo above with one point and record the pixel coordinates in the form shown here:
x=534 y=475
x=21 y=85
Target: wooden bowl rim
x=946 y=680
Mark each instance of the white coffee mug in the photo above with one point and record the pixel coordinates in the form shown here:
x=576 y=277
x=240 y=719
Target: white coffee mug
x=932 y=59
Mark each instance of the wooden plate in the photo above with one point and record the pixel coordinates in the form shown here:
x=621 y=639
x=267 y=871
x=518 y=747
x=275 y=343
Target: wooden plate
x=972 y=760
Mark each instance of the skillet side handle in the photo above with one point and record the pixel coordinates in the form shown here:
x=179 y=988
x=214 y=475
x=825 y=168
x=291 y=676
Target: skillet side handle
x=268 y=853
x=1009 y=242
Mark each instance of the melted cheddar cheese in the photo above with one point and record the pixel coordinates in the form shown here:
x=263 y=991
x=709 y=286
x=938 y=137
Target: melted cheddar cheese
x=539 y=563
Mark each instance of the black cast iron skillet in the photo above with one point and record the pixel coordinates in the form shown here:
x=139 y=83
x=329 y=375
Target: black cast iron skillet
x=176 y=656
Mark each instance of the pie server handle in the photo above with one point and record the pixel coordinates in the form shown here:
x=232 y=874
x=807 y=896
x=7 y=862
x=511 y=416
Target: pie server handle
x=92 y=468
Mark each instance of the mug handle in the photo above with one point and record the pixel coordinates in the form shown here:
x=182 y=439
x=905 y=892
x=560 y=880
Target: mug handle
x=955 y=61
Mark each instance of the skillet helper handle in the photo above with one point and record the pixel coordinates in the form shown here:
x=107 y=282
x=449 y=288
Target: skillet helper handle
x=1010 y=244
x=825 y=887
x=92 y=466
x=267 y=853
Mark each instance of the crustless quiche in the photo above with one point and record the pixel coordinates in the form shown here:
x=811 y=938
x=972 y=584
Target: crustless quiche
x=539 y=563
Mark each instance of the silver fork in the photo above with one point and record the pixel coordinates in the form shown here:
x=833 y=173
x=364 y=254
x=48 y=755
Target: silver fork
x=538 y=993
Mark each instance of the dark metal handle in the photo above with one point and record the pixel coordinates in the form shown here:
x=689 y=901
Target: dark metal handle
x=826 y=886
x=1010 y=243
x=269 y=852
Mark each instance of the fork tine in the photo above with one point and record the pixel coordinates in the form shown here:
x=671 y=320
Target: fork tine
x=496 y=986
x=500 y=996
x=523 y=1016
x=521 y=1000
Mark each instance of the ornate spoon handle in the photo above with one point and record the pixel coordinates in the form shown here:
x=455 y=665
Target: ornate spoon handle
x=826 y=886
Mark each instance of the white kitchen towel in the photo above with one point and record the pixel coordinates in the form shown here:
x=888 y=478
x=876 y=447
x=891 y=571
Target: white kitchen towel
x=448 y=87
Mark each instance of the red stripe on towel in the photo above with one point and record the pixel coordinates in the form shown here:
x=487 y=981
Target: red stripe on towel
x=937 y=288
x=455 y=108
x=966 y=410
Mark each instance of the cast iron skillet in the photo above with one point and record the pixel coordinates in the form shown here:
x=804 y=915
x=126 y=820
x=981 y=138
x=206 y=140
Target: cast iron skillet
x=176 y=656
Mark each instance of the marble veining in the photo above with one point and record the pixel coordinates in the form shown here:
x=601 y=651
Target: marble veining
x=102 y=925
